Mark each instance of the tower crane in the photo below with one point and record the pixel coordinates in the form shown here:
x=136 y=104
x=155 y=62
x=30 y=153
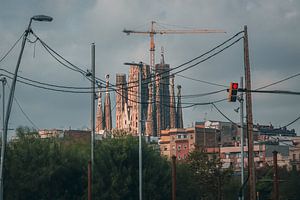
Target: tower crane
x=154 y=31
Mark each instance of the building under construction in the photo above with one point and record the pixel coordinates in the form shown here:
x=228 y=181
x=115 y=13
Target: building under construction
x=159 y=110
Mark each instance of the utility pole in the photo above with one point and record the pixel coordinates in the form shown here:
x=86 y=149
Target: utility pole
x=173 y=177
x=92 y=112
x=275 y=183
x=251 y=171
x=241 y=99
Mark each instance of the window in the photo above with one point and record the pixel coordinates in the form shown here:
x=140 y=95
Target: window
x=179 y=147
x=294 y=156
x=179 y=158
x=184 y=136
x=178 y=136
x=166 y=148
x=191 y=136
x=184 y=146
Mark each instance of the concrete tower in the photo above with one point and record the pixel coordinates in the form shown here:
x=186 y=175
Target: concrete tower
x=158 y=105
x=121 y=100
x=107 y=107
x=149 y=122
x=172 y=104
x=133 y=96
x=179 y=116
x=99 y=116
x=164 y=93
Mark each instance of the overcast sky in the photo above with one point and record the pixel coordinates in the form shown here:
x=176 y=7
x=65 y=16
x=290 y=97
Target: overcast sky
x=273 y=28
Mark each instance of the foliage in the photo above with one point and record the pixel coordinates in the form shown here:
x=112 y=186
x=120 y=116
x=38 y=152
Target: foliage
x=42 y=169
x=204 y=175
x=117 y=171
x=289 y=183
x=56 y=168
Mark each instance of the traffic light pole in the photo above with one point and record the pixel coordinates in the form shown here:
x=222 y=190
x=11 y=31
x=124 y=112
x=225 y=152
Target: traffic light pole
x=251 y=170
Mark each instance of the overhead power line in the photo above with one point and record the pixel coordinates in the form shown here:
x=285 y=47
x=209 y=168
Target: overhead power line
x=194 y=59
x=23 y=112
x=13 y=46
x=280 y=81
x=202 y=81
x=47 y=84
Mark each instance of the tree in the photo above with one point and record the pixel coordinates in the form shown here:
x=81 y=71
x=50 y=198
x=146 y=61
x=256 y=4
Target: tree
x=116 y=171
x=42 y=168
x=205 y=176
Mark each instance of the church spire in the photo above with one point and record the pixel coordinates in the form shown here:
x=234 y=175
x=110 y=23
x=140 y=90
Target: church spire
x=99 y=117
x=149 y=122
x=162 y=59
x=158 y=105
x=172 y=104
x=179 y=116
x=107 y=107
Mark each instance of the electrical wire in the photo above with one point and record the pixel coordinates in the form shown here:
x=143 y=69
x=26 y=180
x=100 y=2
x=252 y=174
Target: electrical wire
x=280 y=81
x=13 y=46
x=209 y=83
x=71 y=66
x=209 y=57
x=47 y=84
x=23 y=112
x=196 y=58
x=47 y=88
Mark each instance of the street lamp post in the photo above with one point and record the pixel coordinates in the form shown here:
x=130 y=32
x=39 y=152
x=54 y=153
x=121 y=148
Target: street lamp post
x=3 y=80
x=140 y=65
x=12 y=91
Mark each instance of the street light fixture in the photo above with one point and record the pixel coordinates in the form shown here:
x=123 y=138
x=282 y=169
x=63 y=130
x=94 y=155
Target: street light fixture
x=12 y=91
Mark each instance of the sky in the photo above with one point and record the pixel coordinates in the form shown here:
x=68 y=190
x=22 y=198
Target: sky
x=274 y=44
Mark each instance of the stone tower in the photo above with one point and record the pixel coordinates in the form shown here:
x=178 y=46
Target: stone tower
x=99 y=116
x=107 y=107
x=149 y=122
x=133 y=96
x=172 y=104
x=158 y=106
x=179 y=116
x=164 y=94
x=121 y=100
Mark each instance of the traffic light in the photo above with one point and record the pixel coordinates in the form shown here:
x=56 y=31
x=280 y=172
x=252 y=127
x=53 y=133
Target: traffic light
x=233 y=89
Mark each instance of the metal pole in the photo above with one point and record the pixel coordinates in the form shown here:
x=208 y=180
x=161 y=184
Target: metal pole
x=173 y=177
x=242 y=135
x=276 y=185
x=9 y=105
x=92 y=109
x=140 y=129
x=251 y=165
x=89 y=180
x=3 y=80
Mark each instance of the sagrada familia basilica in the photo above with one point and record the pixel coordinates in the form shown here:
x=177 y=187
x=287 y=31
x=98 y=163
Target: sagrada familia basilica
x=159 y=108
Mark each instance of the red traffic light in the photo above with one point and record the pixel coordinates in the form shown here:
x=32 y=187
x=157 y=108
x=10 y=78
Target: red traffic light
x=233 y=89
x=235 y=86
